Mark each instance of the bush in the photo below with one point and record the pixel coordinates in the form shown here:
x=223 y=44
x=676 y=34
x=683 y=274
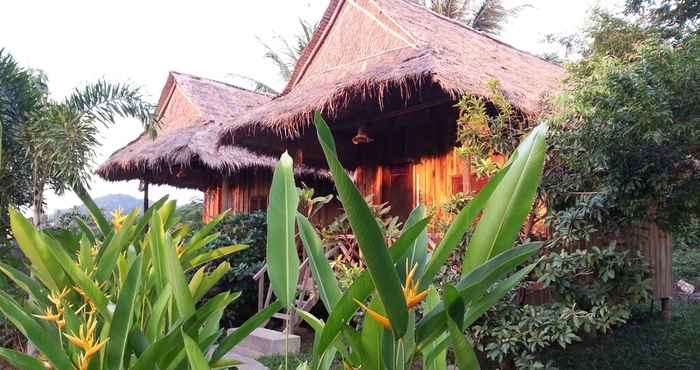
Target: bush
x=249 y=229
x=594 y=291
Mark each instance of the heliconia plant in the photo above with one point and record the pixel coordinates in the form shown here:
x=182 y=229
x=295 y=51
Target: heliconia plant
x=399 y=277
x=128 y=295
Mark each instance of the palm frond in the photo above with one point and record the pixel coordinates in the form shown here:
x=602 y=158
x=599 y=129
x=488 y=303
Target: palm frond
x=103 y=101
x=490 y=15
x=453 y=9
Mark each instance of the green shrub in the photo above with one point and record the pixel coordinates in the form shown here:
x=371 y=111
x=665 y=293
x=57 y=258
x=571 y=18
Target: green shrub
x=248 y=229
x=594 y=291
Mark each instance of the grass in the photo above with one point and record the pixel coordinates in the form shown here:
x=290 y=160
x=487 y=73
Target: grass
x=276 y=362
x=645 y=343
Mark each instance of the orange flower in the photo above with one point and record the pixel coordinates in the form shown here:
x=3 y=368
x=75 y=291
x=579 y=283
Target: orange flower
x=412 y=297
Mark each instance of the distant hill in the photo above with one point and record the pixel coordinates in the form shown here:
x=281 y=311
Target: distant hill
x=108 y=204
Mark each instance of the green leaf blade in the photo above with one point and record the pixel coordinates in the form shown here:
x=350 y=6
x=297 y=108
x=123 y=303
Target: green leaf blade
x=282 y=258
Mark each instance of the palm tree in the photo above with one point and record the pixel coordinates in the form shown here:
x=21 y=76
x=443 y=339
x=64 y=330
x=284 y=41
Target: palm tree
x=487 y=16
x=22 y=92
x=60 y=142
x=285 y=58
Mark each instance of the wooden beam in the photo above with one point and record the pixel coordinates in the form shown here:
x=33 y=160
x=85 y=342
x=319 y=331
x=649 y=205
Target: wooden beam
x=390 y=115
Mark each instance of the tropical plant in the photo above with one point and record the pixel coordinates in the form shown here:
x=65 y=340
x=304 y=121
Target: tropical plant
x=398 y=279
x=487 y=16
x=60 y=141
x=124 y=297
x=22 y=91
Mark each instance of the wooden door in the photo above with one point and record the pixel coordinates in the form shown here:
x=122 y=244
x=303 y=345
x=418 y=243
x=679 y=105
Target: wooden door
x=397 y=189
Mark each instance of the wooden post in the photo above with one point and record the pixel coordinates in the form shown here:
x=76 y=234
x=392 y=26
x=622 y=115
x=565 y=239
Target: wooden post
x=145 y=197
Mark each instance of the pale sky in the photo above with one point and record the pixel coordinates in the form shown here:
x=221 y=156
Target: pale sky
x=139 y=41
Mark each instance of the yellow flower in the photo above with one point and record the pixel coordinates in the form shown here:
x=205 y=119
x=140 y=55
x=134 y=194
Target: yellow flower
x=85 y=340
x=49 y=315
x=57 y=297
x=412 y=297
x=376 y=316
x=118 y=218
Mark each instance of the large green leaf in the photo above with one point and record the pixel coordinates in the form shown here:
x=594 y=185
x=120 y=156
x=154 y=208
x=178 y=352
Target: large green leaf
x=368 y=235
x=45 y=341
x=123 y=317
x=109 y=256
x=282 y=258
x=465 y=357
x=510 y=202
x=80 y=278
x=483 y=304
x=325 y=278
x=157 y=313
x=174 y=274
x=34 y=247
x=439 y=359
x=418 y=254
x=210 y=280
x=458 y=228
x=95 y=211
x=18 y=359
x=372 y=337
x=361 y=288
x=26 y=283
x=472 y=286
x=212 y=255
x=194 y=355
x=195 y=241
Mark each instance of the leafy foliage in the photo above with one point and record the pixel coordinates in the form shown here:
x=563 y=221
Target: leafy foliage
x=629 y=133
x=594 y=291
x=118 y=297
x=676 y=18
x=488 y=128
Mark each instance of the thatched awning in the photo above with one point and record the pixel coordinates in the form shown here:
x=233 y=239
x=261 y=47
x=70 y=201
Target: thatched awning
x=413 y=48
x=185 y=153
x=188 y=158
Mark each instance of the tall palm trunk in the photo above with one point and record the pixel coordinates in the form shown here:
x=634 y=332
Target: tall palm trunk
x=37 y=201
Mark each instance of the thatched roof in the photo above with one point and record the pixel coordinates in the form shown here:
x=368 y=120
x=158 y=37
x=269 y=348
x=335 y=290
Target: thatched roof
x=363 y=49
x=185 y=153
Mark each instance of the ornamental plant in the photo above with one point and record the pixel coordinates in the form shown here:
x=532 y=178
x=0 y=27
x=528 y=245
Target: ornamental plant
x=126 y=296
x=398 y=278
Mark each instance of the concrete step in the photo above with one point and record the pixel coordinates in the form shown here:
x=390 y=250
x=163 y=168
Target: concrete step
x=247 y=363
x=266 y=342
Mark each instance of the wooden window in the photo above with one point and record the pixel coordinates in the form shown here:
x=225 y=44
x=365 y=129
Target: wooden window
x=457 y=184
x=397 y=189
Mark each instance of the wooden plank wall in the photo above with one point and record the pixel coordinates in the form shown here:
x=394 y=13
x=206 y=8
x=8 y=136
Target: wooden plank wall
x=433 y=179
x=656 y=245
x=249 y=193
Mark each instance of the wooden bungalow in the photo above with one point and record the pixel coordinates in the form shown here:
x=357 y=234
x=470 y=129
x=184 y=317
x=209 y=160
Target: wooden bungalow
x=386 y=75
x=184 y=153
